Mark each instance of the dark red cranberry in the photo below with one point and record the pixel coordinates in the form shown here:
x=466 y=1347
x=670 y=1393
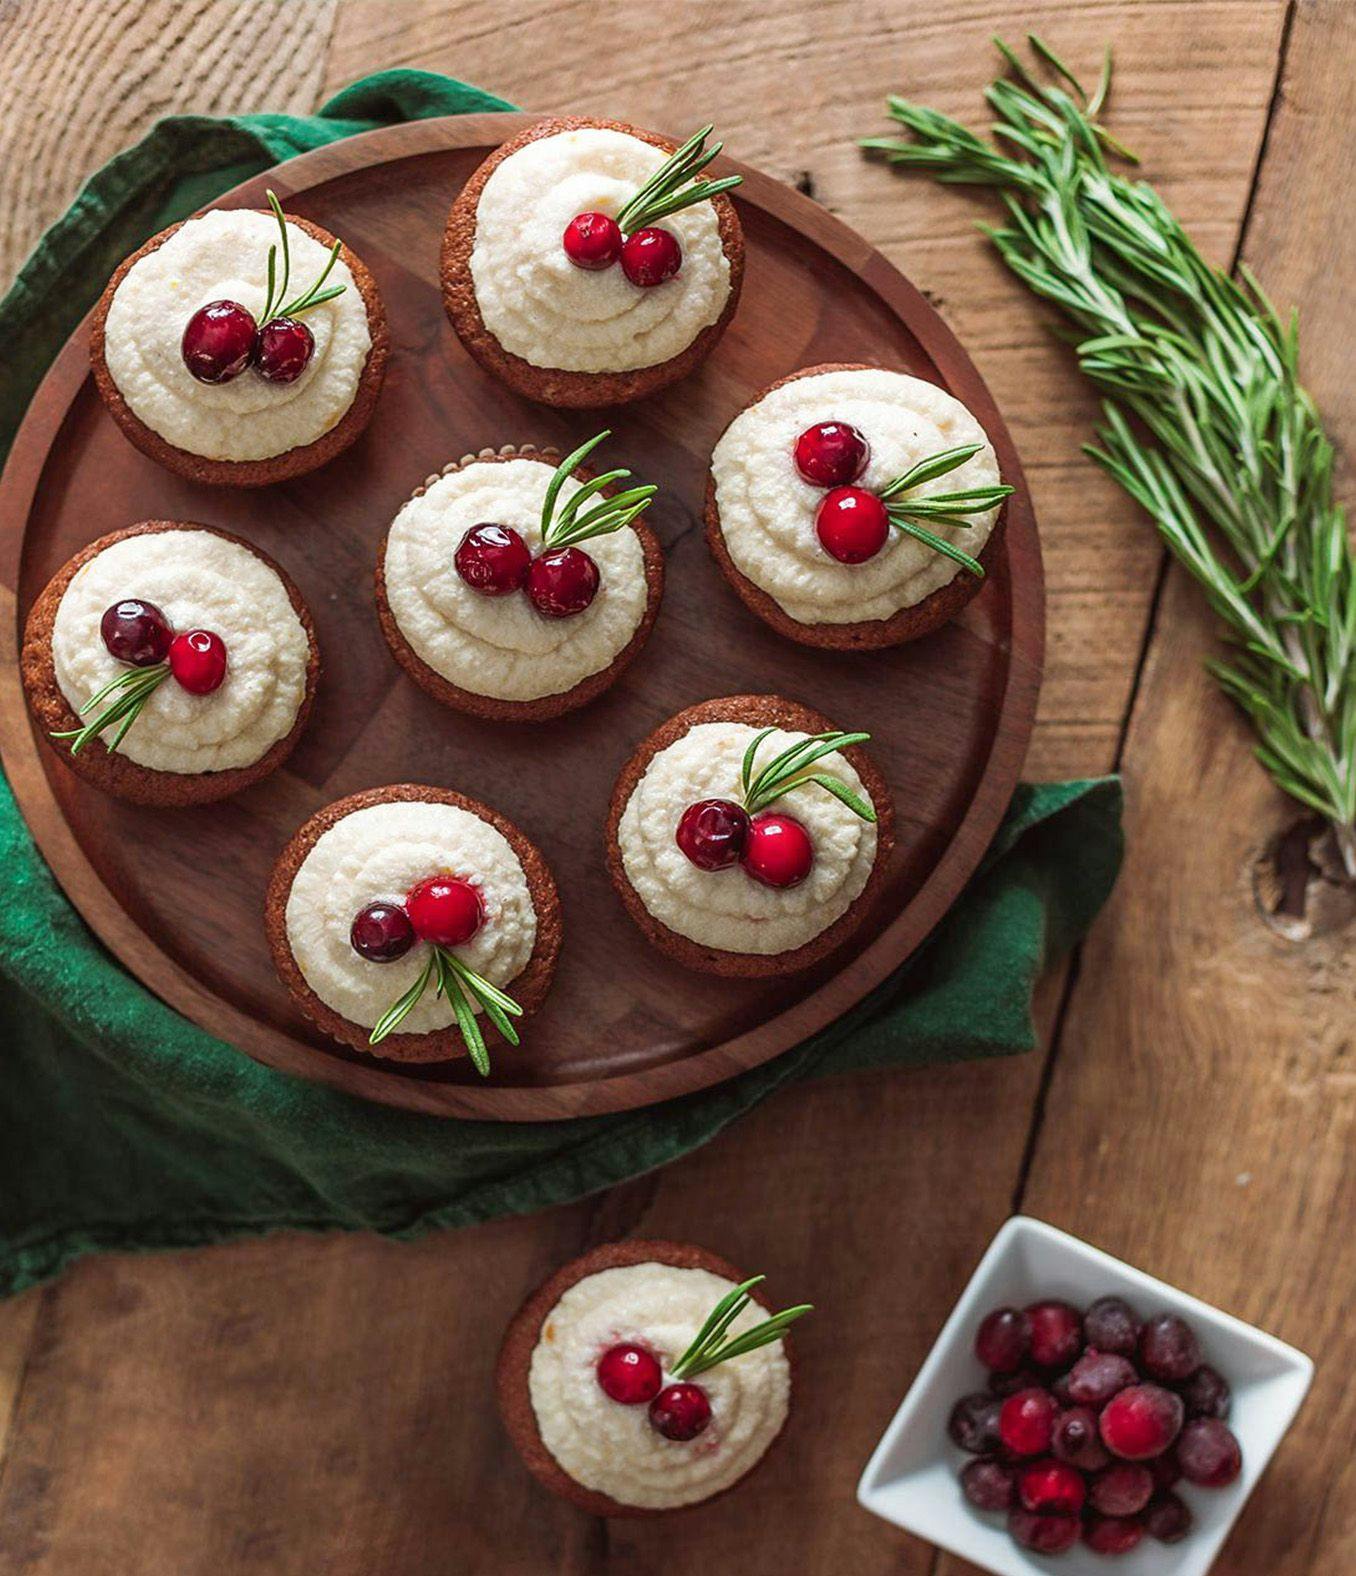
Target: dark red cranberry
x=1097 y=1376
x=713 y=832
x=218 y=341
x=1208 y=1453
x=778 y=851
x=851 y=524
x=1141 y=1421
x=1207 y=1393
x=381 y=932
x=680 y=1411
x=1026 y=1422
x=1111 y=1326
x=1168 y=1350
x=445 y=910
x=831 y=454
x=136 y=632
x=592 y=241
x=1002 y=1340
x=973 y=1424
x=562 y=582
x=284 y=350
x=197 y=659
x=1122 y=1490
x=987 y=1484
x=651 y=256
x=1043 y=1534
x=1056 y=1333
x=1112 y=1534
x=1077 y=1441
x=1167 y=1519
x=493 y=559
x=629 y=1374
x=1165 y=1470
x=1009 y=1384
x=1051 y=1487
x=1058 y=1387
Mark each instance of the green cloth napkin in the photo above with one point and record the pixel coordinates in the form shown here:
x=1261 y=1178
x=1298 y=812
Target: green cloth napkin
x=123 y=1126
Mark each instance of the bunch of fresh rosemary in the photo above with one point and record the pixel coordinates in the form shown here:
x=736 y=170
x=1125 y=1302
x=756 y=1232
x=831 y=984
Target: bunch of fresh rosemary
x=1206 y=423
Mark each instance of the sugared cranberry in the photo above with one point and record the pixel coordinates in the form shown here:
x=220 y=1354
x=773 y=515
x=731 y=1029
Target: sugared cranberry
x=1043 y=1534
x=445 y=910
x=1002 y=1340
x=1122 y=1490
x=1112 y=1534
x=973 y=1424
x=493 y=559
x=778 y=851
x=1077 y=1441
x=1097 y=1376
x=592 y=241
x=987 y=1484
x=1056 y=1333
x=1026 y=1422
x=680 y=1411
x=831 y=454
x=1141 y=1421
x=1111 y=1326
x=381 y=932
x=630 y=1374
x=1051 y=1487
x=1207 y=1393
x=218 y=342
x=197 y=659
x=1208 y=1453
x=713 y=832
x=136 y=632
x=851 y=524
x=1167 y=1519
x=1168 y=1350
x=283 y=350
x=562 y=582
x=651 y=256
x=1009 y=1384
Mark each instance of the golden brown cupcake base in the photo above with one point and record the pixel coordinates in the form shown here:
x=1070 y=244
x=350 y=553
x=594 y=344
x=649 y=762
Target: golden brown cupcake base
x=520 y=1341
x=114 y=773
x=758 y=711
x=279 y=467
x=545 y=706
x=527 y=988
x=910 y=623
x=552 y=385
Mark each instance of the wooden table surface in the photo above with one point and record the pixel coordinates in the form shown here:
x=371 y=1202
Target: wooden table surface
x=324 y=1404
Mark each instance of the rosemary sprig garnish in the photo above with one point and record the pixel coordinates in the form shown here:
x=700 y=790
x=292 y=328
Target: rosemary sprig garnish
x=586 y=513
x=274 y=306
x=907 y=514
x=127 y=694
x=456 y=981
x=1207 y=425
x=713 y=1343
x=664 y=194
x=791 y=769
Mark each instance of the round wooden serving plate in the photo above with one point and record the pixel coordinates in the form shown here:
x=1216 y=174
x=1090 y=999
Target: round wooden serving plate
x=176 y=894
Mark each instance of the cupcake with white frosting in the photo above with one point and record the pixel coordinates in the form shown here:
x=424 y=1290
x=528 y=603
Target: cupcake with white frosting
x=588 y=262
x=170 y=664
x=853 y=508
x=242 y=347
x=646 y=1376
x=749 y=837
x=517 y=586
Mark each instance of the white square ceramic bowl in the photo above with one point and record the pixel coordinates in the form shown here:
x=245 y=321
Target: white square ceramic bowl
x=912 y=1478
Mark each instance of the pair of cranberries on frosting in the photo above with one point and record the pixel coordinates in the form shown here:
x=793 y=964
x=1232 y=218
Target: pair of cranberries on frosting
x=444 y=910
x=633 y=1376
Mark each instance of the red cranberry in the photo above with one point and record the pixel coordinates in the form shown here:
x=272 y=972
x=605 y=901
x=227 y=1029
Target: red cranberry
x=1168 y=1350
x=284 y=350
x=651 y=256
x=713 y=832
x=1056 y=1333
x=1207 y=1393
x=973 y=1424
x=1002 y=1340
x=831 y=454
x=381 y=932
x=197 y=659
x=1208 y=1453
x=1051 y=1487
x=1112 y=1535
x=1097 y=1376
x=1043 y=1534
x=218 y=342
x=445 y=910
x=1122 y=1490
x=493 y=559
x=851 y=524
x=778 y=851
x=1009 y=1384
x=1077 y=1441
x=630 y=1374
x=1141 y=1421
x=136 y=632
x=1167 y=1519
x=1111 y=1326
x=592 y=241
x=680 y=1411
x=1026 y=1423
x=987 y=1484
x=562 y=582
